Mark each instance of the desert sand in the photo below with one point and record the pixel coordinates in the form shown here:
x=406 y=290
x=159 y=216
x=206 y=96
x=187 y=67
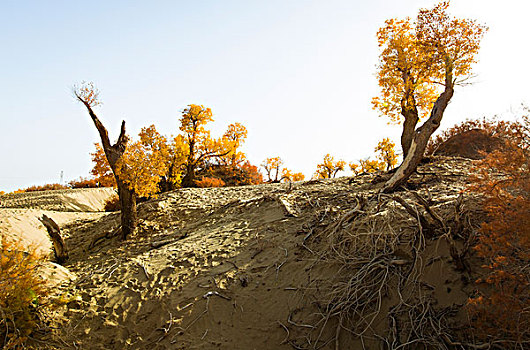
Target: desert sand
x=274 y=266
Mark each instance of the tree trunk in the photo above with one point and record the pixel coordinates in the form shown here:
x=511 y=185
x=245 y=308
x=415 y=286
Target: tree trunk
x=409 y=126
x=59 y=248
x=422 y=135
x=129 y=216
x=189 y=178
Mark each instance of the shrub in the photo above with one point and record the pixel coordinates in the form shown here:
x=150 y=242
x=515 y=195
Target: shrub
x=210 y=182
x=497 y=128
x=500 y=311
x=84 y=182
x=21 y=291
x=113 y=204
x=47 y=187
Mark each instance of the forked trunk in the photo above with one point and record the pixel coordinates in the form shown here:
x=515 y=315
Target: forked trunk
x=421 y=137
x=129 y=217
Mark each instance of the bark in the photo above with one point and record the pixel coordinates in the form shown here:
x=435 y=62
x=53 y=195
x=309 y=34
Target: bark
x=189 y=178
x=422 y=135
x=409 y=126
x=59 y=248
x=409 y=111
x=129 y=217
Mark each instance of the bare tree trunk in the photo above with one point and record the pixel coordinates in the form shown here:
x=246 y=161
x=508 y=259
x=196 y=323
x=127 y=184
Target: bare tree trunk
x=189 y=178
x=129 y=217
x=409 y=126
x=422 y=135
x=59 y=248
x=409 y=111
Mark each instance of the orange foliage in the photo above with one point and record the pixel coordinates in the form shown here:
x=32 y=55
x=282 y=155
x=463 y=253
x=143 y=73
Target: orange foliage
x=501 y=312
x=210 y=182
x=102 y=172
x=496 y=128
x=21 y=289
x=144 y=162
x=288 y=175
x=272 y=168
x=386 y=154
x=84 y=183
x=239 y=175
x=329 y=167
x=47 y=187
x=416 y=56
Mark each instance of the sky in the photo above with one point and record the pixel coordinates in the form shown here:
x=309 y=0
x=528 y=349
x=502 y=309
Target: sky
x=299 y=74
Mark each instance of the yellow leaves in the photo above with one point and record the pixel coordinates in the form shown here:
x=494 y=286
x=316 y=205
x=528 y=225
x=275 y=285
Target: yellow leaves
x=193 y=119
x=288 y=175
x=416 y=57
x=20 y=290
x=329 y=167
x=386 y=154
x=145 y=162
x=386 y=159
x=272 y=168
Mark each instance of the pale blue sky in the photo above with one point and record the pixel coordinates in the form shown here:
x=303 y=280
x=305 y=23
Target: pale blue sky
x=298 y=74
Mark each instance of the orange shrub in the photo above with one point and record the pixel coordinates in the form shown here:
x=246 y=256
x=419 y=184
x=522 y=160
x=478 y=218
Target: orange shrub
x=500 y=312
x=210 y=182
x=497 y=128
x=47 y=187
x=84 y=182
x=21 y=289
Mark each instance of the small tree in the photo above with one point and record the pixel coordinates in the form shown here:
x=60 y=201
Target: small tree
x=420 y=64
x=329 y=167
x=88 y=95
x=386 y=154
x=273 y=168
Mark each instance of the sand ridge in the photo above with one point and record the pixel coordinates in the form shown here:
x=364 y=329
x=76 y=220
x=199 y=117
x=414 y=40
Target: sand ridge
x=235 y=268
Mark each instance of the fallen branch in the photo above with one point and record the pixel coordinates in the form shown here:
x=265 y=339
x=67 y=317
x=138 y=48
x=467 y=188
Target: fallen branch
x=59 y=248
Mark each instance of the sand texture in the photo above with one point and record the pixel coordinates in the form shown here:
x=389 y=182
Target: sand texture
x=263 y=267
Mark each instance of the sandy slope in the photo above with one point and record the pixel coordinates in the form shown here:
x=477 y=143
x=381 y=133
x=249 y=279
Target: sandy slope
x=19 y=212
x=247 y=268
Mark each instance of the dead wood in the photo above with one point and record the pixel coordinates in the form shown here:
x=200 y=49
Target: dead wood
x=59 y=248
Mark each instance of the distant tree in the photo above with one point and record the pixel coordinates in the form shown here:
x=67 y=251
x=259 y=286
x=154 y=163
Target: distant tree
x=83 y=183
x=329 y=167
x=273 y=168
x=199 y=145
x=233 y=138
x=88 y=95
x=420 y=64
x=176 y=158
x=288 y=175
x=386 y=154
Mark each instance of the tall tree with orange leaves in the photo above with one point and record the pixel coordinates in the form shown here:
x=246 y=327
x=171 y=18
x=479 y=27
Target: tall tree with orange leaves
x=200 y=146
x=419 y=66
